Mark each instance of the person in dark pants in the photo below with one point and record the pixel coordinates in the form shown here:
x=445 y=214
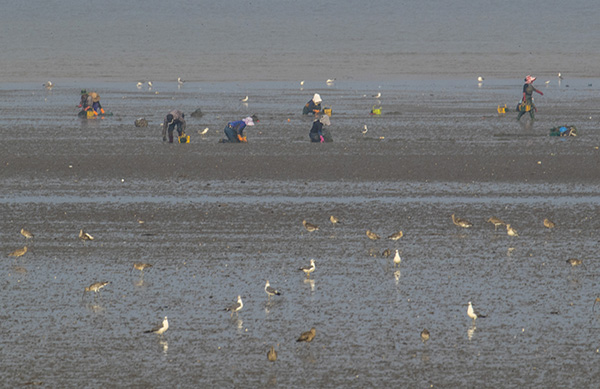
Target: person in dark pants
x=235 y=130
x=313 y=107
x=175 y=118
x=317 y=133
x=526 y=104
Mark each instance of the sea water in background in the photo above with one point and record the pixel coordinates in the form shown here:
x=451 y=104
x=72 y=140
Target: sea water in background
x=288 y=40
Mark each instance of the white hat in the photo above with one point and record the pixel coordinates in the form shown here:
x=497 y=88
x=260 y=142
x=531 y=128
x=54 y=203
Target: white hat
x=316 y=98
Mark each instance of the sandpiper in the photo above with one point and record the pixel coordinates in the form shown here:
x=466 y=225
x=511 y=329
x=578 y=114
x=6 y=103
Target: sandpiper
x=270 y=290
x=574 y=261
x=472 y=314
x=378 y=95
x=397 y=259
x=159 y=330
x=18 y=252
x=236 y=307
x=272 y=354
x=511 y=231
x=496 y=222
x=180 y=81
x=309 y=269
x=244 y=99
x=330 y=81
x=461 y=222
x=549 y=223
x=372 y=235
x=48 y=84
x=365 y=129
x=139 y=84
x=85 y=236
x=307 y=336
x=26 y=233
x=334 y=220
x=95 y=287
x=309 y=226
x=425 y=335
x=141 y=266
x=386 y=253
x=396 y=235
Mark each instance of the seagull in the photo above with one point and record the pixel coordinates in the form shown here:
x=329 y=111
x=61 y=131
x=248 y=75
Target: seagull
x=480 y=79
x=26 y=233
x=308 y=269
x=270 y=290
x=511 y=231
x=461 y=222
x=141 y=266
x=334 y=220
x=378 y=95
x=549 y=223
x=18 y=252
x=95 y=287
x=472 y=314
x=560 y=77
x=139 y=84
x=307 y=336
x=160 y=330
x=85 y=236
x=397 y=258
x=330 y=81
x=309 y=226
x=272 y=354
x=236 y=307
x=365 y=129
x=372 y=235
x=425 y=335
x=203 y=131
x=496 y=222
x=149 y=84
x=396 y=235
x=180 y=81
x=244 y=99
x=547 y=82
x=48 y=84
x=302 y=83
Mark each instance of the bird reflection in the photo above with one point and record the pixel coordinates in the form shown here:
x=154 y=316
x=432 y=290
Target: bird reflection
x=96 y=308
x=471 y=331
x=311 y=282
x=397 y=276
x=140 y=282
x=165 y=345
x=239 y=323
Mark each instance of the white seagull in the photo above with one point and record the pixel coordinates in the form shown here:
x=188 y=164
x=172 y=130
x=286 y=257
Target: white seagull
x=235 y=307
x=180 y=81
x=160 y=330
x=378 y=95
x=365 y=129
x=472 y=314
x=270 y=290
x=139 y=84
x=149 y=84
x=480 y=79
x=308 y=269
x=330 y=81
x=244 y=99
x=397 y=258
x=302 y=83
x=48 y=84
x=203 y=131
x=560 y=76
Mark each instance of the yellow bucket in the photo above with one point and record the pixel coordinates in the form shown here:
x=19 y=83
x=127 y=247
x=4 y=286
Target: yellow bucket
x=376 y=111
x=90 y=113
x=327 y=111
x=502 y=109
x=184 y=138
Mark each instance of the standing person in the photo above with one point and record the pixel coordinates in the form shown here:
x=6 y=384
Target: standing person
x=86 y=100
x=317 y=133
x=175 y=118
x=526 y=104
x=235 y=130
x=313 y=107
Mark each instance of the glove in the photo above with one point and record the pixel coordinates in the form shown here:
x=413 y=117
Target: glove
x=240 y=138
x=540 y=93
x=322 y=139
x=244 y=139
x=102 y=110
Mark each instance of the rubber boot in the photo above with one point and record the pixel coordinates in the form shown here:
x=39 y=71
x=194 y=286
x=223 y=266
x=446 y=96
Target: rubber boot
x=170 y=138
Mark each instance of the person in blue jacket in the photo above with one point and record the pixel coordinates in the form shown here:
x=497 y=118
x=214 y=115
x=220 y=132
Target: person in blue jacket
x=317 y=134
x=235 y=130
x=313 y=107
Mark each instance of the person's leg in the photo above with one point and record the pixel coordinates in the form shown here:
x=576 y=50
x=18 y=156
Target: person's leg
x=171 y=128
x=179 y=129
x=231 y=135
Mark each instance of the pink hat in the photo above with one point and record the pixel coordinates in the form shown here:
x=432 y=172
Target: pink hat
x=529 y=79
x=248 y=120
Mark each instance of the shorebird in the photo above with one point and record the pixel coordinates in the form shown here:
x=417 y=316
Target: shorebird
x=330 y=81
x=48 y=84
x=203 y=131
x=386 y=253
x=307 y=336
x=511 y=231
x=560 y=77
x=309 y=269
x=396 y=235
x=574 y=261
x=334 y=220
x=236 y=307
x=141 y=266
x=472 y=314
x=464 y=223
x=496 y=222
x=309 y=226
x=549 y=223
x=372 y=235
x=272 y=354
x=139 y=84
x=270 y=290
x=244 y=99
x=378 y=95
x=302 y=83
x=365 y=129
x=547 y=82
x=85 y=236
x=180 y=81
x=18 y=252
x=480 y=79
x=159 y=330
x=397 y=258
x=26 y=233
x=425 y=335
x=95 y=287
x=149 y=84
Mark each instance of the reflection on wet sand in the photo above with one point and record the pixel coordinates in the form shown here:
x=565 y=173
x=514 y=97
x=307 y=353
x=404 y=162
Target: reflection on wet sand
x=310 y=282
x=165 y=345
x=471 y=331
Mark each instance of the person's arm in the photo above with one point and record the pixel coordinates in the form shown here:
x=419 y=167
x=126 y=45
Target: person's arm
x=164 y=131
x=538 y=91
